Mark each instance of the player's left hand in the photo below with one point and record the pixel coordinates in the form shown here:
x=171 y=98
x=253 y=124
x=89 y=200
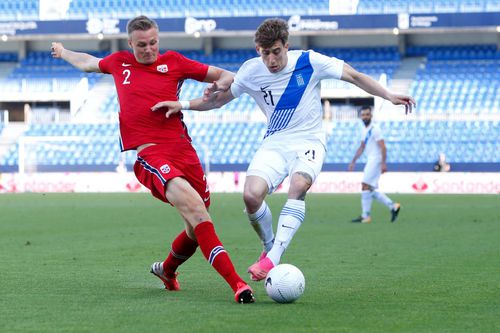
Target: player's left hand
x=172 y=107
x=383 y=168
x=211 y=91
x=407 y=101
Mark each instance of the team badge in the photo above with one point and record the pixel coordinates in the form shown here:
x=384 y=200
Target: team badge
x=165 y=168
x=300 y=80
x=162 y=68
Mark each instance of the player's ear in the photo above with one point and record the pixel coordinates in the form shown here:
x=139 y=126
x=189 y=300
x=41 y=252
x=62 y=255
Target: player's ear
x=286 y=45
x=130 y=43
x=257 y=48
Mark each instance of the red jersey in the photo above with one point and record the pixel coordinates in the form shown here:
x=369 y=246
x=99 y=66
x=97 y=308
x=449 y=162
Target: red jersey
x=140 y=86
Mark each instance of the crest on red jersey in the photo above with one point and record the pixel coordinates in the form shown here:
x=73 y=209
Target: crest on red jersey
x=162 y=68
x=165 y=168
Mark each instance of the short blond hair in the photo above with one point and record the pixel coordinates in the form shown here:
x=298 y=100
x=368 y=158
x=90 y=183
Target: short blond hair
x=142 y=23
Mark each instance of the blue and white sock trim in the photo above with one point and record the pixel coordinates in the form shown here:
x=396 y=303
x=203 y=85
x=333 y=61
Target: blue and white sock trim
x=214 y=253
x=261 y=215
x=297 y=213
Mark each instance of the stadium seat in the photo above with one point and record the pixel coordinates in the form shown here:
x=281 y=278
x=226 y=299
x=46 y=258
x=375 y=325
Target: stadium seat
x=462 y=141
x=459 y=79
x=124 y=9
x=38 y=72
x=422 y=141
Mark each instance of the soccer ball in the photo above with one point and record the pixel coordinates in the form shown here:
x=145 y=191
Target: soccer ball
x=285 y=283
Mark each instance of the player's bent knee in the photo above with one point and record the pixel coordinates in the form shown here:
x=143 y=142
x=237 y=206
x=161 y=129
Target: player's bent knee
x=254 y=194
x=252 y=200
x=250 y=196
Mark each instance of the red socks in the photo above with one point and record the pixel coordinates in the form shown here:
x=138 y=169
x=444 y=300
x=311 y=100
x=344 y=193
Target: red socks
x=183 y=248
x=215 y=253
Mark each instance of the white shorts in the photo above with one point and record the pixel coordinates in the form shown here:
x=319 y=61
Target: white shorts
x=372 y=172
x=274 y=162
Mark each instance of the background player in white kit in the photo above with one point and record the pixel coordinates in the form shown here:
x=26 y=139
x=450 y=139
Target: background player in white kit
x=285 y=85
x=372 y=142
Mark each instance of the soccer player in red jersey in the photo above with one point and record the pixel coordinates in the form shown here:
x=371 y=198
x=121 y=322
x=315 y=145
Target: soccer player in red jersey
x=167 y=163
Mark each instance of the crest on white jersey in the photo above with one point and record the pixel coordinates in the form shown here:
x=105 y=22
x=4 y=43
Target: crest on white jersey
x=165 y=168
x=162 y=68
x=300 y=80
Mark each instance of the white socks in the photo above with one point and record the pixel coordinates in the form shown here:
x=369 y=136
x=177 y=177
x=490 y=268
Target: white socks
x=366 y=203
x=262 y=222
x=381 y=197
x=291 y=217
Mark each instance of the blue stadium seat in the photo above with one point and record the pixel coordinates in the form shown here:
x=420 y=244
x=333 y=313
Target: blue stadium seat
x=458 y=79
x=84 y=9
x=462 y=141
x=38 y=72
x=197 y=8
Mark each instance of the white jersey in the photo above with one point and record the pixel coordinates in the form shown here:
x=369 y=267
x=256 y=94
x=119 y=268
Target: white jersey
x=370 y=136
x=291 y=98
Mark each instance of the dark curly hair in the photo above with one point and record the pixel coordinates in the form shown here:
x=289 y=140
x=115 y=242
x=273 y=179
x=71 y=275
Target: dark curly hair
x=270 y=31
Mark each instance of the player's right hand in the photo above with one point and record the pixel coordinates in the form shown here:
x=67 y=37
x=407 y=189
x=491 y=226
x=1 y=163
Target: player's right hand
x=56 y=50
x=172 y=107
x=407 y=101
x=350 y=167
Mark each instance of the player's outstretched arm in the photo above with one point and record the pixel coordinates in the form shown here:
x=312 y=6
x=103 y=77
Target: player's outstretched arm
x=215 y=95
x=219 y=78
x=83 y=61
x=371 y=86
x=213 y=101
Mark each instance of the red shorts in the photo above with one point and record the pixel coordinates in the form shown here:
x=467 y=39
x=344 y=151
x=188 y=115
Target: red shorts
x=157 y=164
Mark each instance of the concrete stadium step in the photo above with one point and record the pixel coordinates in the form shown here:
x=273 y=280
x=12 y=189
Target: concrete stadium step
x=400 y=84
x=98 y=96
x=404 y=76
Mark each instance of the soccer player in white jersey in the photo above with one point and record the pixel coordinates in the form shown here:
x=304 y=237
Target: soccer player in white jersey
x=372 y=142
x=285 y=85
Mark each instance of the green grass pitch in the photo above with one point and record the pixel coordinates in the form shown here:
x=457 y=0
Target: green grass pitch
x=80 y=263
